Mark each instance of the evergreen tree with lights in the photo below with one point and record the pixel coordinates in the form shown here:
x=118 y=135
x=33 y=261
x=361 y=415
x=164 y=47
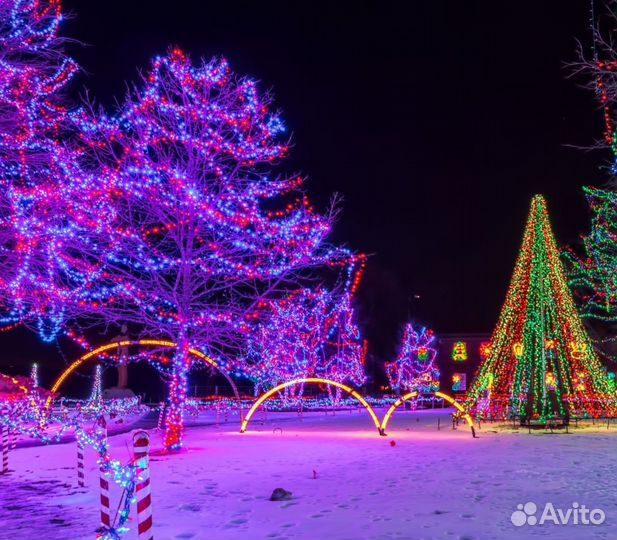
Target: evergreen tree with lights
x=540 y=362
x=593 y=276
x=592 y=265
x=414 y=368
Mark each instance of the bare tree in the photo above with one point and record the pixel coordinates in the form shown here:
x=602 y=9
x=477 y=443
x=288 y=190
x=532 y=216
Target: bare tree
x=205 y=234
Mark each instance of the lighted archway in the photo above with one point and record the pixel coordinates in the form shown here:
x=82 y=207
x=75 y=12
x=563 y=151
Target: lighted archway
x=142 y=343
x=318 y=380
x=410 y=395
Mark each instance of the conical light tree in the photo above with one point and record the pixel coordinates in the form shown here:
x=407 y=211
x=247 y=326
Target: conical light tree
x=540 y=361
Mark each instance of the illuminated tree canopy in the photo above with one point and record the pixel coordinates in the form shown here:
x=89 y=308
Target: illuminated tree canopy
x=167 y=214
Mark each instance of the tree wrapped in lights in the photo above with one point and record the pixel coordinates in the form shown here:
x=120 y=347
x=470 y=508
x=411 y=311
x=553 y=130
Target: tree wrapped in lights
x=97 y=388
x=285 y=344
x=540 y=361
x=414 y=368
x=51 y=211
x=592 y=271
x=343 y=352
x=594 y=275
x=206 y=236
x=310 y=333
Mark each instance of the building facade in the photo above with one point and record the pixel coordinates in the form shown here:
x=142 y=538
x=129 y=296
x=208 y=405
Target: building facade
x=458 y=358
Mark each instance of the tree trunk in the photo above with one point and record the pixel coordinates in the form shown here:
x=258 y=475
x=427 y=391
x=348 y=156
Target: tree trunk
x=123 y=374
x=174 y=421
x=337 y=396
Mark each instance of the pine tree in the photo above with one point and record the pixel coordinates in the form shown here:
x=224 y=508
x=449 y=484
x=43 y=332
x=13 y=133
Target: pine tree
x=540 y=360
x=593 y=275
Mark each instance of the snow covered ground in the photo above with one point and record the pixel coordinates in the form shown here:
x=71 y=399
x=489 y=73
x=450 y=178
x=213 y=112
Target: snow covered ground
x=430 y=484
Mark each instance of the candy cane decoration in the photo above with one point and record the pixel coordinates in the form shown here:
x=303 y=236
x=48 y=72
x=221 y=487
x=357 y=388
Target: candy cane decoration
x=141 y=447
x=81 y=479
x=159 y=425
x=13 y=435
x=5 y=449
x=104 y=481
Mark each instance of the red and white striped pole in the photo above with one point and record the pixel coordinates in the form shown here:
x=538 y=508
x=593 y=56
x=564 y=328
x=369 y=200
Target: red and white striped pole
x=159 y=425
x=5 y=449
x=13 y=439
x=141 y=447
x=81 y=479
x=104 y=481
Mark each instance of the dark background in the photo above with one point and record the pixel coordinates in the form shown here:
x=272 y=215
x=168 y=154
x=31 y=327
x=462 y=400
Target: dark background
x=437 y=121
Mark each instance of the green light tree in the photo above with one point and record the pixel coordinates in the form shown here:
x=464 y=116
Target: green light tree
x=593 y=273
x=540 y=361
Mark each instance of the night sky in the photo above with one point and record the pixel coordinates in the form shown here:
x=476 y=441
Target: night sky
x=436 y=121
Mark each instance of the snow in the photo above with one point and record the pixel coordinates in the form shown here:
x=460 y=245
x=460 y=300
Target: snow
x=430 y=484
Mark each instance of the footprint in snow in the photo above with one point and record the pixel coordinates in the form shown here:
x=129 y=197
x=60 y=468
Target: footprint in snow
x=190 y=507
x=185 y=535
